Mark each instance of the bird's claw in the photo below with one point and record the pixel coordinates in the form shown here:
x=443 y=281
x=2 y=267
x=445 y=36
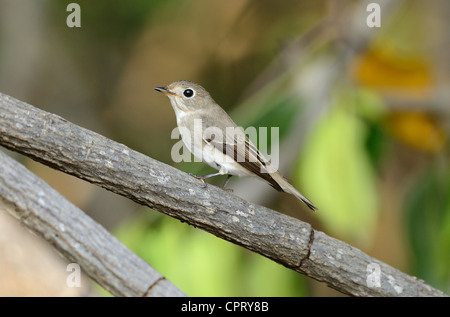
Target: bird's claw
x=205 y=184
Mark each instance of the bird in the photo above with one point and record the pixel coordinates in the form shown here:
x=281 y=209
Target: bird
x=226 y=147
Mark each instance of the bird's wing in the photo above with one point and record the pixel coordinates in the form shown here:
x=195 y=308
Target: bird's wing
x=242 y=150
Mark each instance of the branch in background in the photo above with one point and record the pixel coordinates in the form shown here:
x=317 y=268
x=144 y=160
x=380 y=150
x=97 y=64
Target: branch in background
x=62 y=145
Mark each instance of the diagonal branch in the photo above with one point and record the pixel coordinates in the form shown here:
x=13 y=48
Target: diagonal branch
x=65 y=146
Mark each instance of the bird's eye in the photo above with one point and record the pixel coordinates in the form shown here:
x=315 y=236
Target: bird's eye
x=188 y=93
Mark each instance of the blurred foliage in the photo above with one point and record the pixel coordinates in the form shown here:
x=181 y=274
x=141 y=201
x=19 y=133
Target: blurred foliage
x=384 y=69
x=372 y=153
x=337 y=172
x=428 y=214
x=199 y=263
x=112 y=22
x=417 y=129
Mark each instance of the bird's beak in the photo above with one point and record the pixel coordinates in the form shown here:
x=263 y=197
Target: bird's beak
x=166 y=91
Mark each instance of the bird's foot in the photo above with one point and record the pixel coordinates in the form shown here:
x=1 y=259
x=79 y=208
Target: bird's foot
x=201 y=178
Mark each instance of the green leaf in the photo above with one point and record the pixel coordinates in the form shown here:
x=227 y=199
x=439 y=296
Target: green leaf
x=337 y=174
x=428 y=212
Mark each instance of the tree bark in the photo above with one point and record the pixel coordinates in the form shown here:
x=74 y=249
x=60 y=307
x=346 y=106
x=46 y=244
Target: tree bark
x=62 y=145
x=75 y=235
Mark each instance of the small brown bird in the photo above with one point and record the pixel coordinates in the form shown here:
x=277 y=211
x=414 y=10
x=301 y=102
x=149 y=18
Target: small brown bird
x=226 y=147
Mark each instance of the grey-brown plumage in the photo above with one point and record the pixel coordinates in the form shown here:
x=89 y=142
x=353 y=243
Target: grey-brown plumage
x=231 y=153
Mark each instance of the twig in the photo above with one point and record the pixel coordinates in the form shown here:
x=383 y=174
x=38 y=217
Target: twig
x=60 y=144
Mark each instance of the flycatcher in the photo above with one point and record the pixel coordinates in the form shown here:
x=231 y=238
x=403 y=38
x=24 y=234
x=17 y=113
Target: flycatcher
x=220 y=143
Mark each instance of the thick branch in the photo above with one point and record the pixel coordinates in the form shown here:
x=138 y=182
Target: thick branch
x=80 y=239
x=60 y=144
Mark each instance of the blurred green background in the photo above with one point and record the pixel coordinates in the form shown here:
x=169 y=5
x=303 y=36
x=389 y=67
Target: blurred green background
x=364 y=118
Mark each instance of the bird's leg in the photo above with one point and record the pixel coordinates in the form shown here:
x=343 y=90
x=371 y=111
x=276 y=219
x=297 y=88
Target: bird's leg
x=226 y=182
x=202 y=178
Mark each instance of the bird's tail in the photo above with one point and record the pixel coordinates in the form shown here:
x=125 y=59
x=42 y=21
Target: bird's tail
x=288 y=188
x=305 y=200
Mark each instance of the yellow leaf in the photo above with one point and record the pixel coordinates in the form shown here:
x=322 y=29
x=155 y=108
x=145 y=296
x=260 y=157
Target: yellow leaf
x=417 y=129
x=386 y=70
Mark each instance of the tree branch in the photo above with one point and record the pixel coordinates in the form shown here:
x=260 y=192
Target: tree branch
x=65 y=146
x=74 y=234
